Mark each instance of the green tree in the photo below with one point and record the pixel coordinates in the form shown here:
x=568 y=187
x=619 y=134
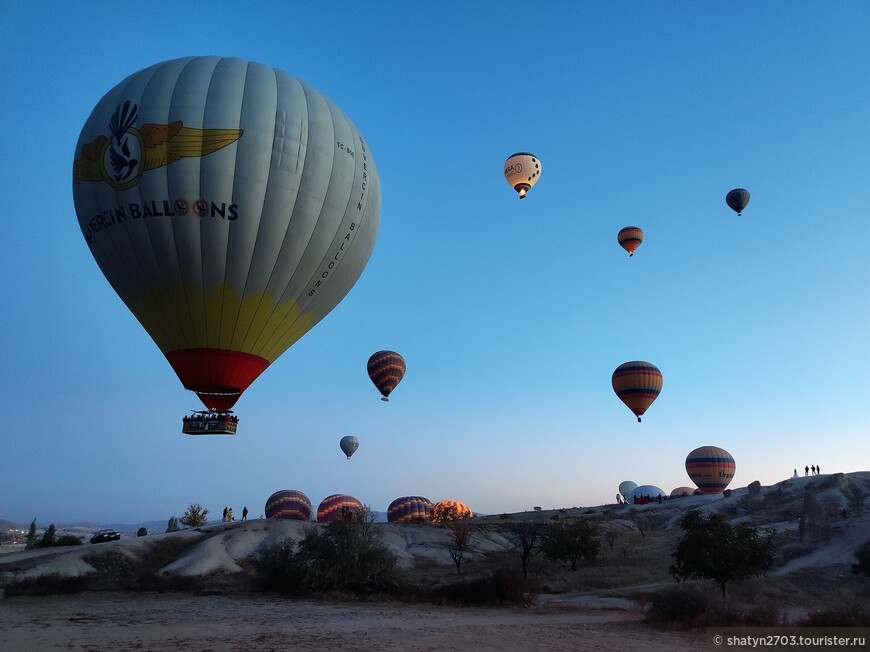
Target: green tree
x=346 y=554
x=49 y=536
x=141 y=532
x=194 y=515
x=30 y=539
x=712 y=548
x=576 y=541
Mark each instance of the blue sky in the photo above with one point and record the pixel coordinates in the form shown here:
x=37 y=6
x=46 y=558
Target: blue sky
x=511 y=314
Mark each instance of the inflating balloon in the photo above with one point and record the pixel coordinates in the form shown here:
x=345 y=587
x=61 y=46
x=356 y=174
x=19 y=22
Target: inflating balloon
x=626 y=487
x=386 y=370
x=629 y=238
x=290 y=505
x=349 y=445
x=450 y=510
x=680 y=492
x=644 y=493
x=522 y=171
x=711 y=468
x=230 y=206
x=637 y=384
x=410 y=509
x=737 y=200
x=338 y=507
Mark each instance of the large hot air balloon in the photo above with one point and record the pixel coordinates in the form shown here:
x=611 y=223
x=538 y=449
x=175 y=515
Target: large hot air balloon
x=338 y=506
x=629 y=238
x=637 y=384
x=290 y=505
x=450 y=510
x=711 y=468
x=522 y=171
x=626 y=487
x=348 y=445
x=410 y=509
x=230 y=206
x=737 y=200
x=680 y=492
x=386 y=369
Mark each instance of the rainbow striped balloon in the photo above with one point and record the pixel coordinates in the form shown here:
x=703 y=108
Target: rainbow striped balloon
x=629 y=238
x=637 y=384
x=386 y=370
x=410 y=509
x=290 y=505
x=711 y=468
x=334 y=507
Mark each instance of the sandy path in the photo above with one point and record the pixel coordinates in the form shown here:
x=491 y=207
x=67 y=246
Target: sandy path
x=121 y=621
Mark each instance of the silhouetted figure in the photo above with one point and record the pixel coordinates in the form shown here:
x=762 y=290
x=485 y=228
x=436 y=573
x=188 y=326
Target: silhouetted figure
x=659 y=499
x=229 y=514
x=818 y=470
x=224 y=519
x=245 y=513
x=795 y=474
x=813 y=468
x=806 y=471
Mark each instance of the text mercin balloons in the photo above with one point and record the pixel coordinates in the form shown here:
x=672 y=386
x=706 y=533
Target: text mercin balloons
x=737 y=200
x=522 y=171
x=349 y=445
x=230 y=206
x=711 y=468
x=386 y=370
x=630 y=238
x=637 y=384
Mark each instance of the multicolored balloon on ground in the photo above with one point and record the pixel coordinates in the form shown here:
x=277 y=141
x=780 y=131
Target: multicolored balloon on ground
x=410 y=509
x=644 y=491
x=680 y=492
x=338 y=507
x=289 y=504
x=230 y=206
x=637 y=384
x=626 y=487
x=522 y=171
x=386 y=370
x=737 y=200
x=629 y=238
x=349 y=445
x=450 y=510
x=711 y=468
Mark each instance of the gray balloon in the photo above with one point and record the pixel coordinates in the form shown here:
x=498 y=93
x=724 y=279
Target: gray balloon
x=349 y=444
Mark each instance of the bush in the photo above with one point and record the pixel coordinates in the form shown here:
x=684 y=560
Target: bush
x=51 y=584
x=347 y=555
x=676 y=605
x=68 y=540
x=502 y=586
x=277 y=567
x=862 y=556
x=141 y=532
x=343 y=556
x=849 y=615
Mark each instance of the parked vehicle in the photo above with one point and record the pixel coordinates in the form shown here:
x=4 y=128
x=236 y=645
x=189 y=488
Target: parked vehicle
x=105 y=535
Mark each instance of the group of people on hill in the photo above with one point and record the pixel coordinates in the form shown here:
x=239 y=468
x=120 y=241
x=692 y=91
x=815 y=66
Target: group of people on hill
x=228 y=515
x=815 y=468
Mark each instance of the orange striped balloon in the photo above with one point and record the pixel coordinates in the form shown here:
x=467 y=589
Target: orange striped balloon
x=386 y=369
x=711 y=468
x=450 y=510
x=630 y=238
x=637 y=384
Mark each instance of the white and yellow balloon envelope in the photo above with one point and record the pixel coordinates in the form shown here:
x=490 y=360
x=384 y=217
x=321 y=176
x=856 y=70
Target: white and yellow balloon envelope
x=230 y=206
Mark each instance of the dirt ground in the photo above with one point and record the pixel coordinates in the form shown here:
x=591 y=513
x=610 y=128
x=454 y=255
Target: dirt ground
x=132 y=621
